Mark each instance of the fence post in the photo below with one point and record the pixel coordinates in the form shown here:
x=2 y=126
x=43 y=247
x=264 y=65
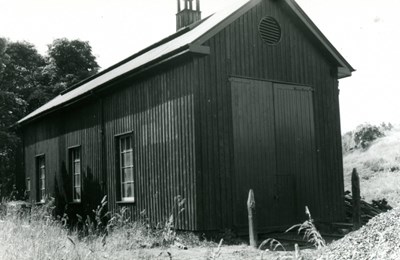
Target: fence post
x=251 y=209
x=355 y=190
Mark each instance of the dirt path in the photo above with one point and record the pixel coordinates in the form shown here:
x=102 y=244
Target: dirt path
x=227 y=252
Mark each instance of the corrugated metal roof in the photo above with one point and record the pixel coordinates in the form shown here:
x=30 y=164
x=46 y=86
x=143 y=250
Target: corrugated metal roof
x=196 y=35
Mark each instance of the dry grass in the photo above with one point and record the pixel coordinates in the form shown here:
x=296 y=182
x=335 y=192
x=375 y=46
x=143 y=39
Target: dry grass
x=311 y=234
x=379 y=168
x=39 y=236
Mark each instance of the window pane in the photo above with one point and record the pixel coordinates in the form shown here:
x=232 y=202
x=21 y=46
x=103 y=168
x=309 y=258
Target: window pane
x=41 y=162
x=127 y=159
x=128 y=143
x=122 y=160
x=123 y=190
x=77 y=194
x=127 y=175
x=125 y=144
x=122 y=143
x=128 y=190
x=77 y=182
x=77 y=167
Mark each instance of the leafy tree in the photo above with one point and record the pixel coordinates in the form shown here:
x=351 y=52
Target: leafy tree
x=365 y=134
x=27 y=81
x=3 y=56
x=21 y=69
x=12 y=108
x=71 y=61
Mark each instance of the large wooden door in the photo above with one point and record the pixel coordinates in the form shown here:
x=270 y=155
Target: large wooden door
x=295 y=149
x=273 y=149
x=254 y=147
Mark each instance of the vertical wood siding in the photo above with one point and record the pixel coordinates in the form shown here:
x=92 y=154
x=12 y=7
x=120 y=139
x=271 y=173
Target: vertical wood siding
x=42 y=139
x=254 y=150
x=159 y=113
x=295 y=149
x=239 y=51
x=181 y=121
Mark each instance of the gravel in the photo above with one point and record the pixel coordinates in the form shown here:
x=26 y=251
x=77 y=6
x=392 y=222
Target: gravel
x=378 y=239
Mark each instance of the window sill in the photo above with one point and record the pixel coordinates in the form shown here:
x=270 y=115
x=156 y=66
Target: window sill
x=123 y=202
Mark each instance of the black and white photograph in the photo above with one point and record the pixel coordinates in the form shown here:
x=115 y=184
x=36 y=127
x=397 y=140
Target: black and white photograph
x=199 y=129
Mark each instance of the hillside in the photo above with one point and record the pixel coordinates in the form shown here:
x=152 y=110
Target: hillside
x=379 y=168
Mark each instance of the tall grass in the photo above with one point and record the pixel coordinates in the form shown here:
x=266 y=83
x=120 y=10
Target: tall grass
x=379 y=168
x=38 y=235
x=311 y=234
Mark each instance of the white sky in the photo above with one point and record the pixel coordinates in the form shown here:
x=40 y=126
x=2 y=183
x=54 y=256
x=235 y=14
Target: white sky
x=366 y=32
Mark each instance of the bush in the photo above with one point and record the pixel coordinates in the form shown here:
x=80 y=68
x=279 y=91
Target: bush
x=365 y=134
x=348 y=143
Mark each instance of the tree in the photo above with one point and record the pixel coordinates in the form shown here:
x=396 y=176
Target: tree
x=71 y=61
x=27 y=81
x=365 y=134
x=12 y=108
x=22 y=67
x=3 y=55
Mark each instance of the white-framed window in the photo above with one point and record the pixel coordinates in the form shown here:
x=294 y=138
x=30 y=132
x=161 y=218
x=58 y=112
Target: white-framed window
x=125 y=151
x=41 y=177
x=75 y=170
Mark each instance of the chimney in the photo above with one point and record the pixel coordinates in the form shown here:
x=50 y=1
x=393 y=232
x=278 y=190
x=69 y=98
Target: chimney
x=188 y=14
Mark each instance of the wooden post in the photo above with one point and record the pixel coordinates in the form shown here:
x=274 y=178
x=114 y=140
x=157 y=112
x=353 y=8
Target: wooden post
x=251 y=209
x=355 y=189
x=297 y=254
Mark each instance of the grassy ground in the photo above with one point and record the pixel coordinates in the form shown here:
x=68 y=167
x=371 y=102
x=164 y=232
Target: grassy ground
x=39 y=236
x=379 y=168
x=51 y=241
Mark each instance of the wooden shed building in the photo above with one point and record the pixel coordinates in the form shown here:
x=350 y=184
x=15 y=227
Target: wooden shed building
x=246 y=98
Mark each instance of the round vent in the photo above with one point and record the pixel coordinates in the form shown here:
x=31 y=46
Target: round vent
x=270 y=31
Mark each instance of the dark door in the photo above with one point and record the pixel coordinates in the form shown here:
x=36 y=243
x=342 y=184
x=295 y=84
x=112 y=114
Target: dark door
x=273 y=140
x=254 y=147
x=295 y=149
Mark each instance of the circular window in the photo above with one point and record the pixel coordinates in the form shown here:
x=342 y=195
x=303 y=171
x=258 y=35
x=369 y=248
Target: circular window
x=270 y=31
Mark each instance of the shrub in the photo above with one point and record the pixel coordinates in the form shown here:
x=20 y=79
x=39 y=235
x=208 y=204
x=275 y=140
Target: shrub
x=348 y=143
x=365 y=134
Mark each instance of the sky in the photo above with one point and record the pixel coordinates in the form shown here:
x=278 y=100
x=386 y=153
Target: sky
x=366 y=33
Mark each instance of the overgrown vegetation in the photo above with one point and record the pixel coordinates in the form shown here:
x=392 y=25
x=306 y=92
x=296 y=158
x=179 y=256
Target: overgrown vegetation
x=378 y=164
x=311 y=234
x=363 y=136
x=34 y=233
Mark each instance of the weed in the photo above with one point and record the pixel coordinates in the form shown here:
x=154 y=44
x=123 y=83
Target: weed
x=168 y=233
x=41 y=235
x=217 y=253
x=272 y=244
x=310 y=231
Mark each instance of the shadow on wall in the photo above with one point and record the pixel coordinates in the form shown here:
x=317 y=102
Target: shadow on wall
x=92 y=195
